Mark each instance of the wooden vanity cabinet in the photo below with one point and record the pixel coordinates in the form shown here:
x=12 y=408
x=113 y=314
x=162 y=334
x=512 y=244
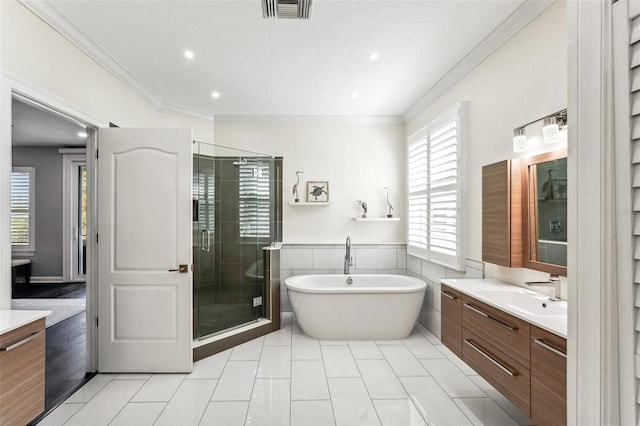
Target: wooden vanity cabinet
x=548 y=378
x=451 y=319
x=527 y=364
x=22 y=367
x=502 y=213
x=509 y=377
x=499 y=329
x=496 y=345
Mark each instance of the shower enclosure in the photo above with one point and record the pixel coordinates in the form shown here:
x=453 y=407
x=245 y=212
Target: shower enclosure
x=236 y=212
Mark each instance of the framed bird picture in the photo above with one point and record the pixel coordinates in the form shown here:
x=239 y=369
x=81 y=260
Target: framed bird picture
x=317 y=191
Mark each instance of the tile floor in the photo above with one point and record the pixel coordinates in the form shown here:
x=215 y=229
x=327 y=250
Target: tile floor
x=287 y=378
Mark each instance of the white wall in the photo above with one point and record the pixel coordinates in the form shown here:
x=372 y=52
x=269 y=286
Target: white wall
x=34 y=56
x=358 y=160
x=49 y=242
x=33 y=51
x=522 y=81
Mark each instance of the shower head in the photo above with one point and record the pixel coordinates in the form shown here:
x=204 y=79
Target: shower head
x=241 y=161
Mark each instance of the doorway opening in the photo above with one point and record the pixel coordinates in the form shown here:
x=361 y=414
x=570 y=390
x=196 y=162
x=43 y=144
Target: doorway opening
x=74 y=215
x=50 y=216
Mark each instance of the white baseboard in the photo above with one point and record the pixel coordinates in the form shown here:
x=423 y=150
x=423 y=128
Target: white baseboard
x=46 y=280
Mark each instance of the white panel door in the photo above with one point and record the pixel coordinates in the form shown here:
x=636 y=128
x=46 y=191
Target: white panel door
x=144 y=235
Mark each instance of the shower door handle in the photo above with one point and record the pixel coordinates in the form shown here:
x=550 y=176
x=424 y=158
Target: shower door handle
x=205 y=237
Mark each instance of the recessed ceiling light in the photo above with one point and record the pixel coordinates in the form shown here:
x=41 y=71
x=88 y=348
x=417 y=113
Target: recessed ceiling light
x=82 y=134
x=354 y=95
x=188 y=54
x=373 y=56
x=215 y=95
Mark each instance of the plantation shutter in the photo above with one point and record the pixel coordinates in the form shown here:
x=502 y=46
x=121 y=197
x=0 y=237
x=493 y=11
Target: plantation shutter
x=21 y=208
x=254 y=200
x=435 y=226
x=204 y=190
x=634 y=65
x=418 y=174
x=443 y=192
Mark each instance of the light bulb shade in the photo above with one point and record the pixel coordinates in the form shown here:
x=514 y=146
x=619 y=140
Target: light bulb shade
x=519 y=140
x=550 y=130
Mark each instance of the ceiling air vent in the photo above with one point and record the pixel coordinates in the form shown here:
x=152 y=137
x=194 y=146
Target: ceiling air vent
x=286 y=9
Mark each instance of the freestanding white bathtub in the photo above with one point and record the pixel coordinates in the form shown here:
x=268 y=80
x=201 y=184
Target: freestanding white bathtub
x=372 y=307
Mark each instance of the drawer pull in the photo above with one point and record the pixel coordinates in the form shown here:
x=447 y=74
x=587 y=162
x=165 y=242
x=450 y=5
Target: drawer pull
x=491 y=317
x=550 y=348
x=449 y=295
x=492 y=359
x=31 y=337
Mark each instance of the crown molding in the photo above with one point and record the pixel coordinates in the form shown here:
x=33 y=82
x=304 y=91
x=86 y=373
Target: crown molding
x=50 y=16
x=186 y=112
x=309 y=120
x=528 y=11
x=34 y=95
x=520 y=18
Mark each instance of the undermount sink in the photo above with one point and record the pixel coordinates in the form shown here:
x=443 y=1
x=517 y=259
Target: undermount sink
x=527 y=302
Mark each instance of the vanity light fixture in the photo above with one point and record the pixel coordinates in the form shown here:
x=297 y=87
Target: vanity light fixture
x=551 y=130
x=552 y=124
x=519 y=140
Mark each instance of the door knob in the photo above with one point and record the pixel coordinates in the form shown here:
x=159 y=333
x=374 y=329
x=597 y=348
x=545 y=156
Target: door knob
x=183 y=269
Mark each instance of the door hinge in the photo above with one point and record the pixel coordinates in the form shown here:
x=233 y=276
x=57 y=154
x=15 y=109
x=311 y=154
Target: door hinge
x=96 y=238
x=97 y=321
x=97 y=153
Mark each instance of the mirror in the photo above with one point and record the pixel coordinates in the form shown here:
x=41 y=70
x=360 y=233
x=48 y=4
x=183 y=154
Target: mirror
x=545 y=212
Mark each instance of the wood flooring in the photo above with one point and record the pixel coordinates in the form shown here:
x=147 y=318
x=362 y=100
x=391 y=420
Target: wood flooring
x=66 y=346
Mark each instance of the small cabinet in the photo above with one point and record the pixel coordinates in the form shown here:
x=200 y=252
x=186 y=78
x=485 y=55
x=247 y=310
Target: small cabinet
x=548 y=378
x=22 y=357
x=502 y=213
x=451 y=321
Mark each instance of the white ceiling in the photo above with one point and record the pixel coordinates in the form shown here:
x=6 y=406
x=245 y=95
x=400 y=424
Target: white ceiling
x=36 y=126
x=281 y=67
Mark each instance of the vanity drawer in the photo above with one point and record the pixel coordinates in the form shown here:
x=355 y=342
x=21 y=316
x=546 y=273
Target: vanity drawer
x=22 y=358
x=451 y=319
x=501 y=330
x=548 y=378
x=506 y=375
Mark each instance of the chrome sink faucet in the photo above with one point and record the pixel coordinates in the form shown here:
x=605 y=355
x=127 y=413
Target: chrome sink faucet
x=348 y=260
x=553 y=282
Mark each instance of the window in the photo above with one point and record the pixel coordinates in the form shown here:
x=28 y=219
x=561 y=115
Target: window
x=435 y=170
x=204 y=191
x=255 y=211
x=22 y=209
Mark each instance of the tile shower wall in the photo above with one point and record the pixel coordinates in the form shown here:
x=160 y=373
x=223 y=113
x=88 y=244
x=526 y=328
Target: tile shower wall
x=432 y=274
x=301 y=259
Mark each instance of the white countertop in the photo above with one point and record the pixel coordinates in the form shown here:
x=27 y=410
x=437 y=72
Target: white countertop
x=485 y=291
x=10 y=320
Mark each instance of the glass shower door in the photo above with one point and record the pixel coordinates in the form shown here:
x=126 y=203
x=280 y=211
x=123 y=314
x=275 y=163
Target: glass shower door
x=231 y=225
